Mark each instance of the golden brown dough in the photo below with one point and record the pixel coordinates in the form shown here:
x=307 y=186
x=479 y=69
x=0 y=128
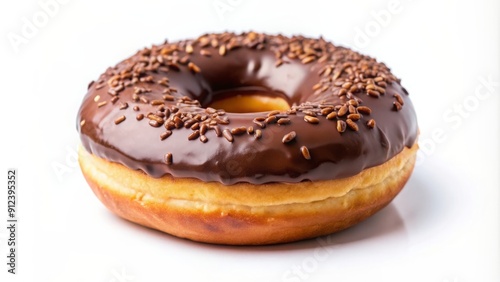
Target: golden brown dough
x=245 y=214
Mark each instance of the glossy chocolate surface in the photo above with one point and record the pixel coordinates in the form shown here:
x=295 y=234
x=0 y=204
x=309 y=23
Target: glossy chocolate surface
x=249 y=68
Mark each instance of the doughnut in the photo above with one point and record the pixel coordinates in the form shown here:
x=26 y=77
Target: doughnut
x=247 y=139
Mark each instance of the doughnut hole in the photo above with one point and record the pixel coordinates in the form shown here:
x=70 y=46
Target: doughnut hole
x=250 y=104
x=249 y=101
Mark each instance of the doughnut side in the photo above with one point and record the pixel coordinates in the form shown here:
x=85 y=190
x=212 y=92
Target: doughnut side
x=245 y=213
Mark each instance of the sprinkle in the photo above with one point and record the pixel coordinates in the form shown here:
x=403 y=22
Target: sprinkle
x=352 y=109
x=371 y=123
x=227 y=134
x=168 y=97
x=205 y=53
x=82 y=123
x=163 y=81
x=154 y=123
x=184 y=60
x=289 y=137
x=283 y=121
x=371 y=87
x=123 y=106
x=203 y=138
x=178 y=122
x=309 y=113
x=119 y=120
x=96 y=98
x=221 y=121
x=364 y=110
x=155 y=118
x=203 y=129
x=189 y=123
x=194 y=68
x=352 y=125
x=194 y=135
x=353 y=102
x=195 y=126
x=238 y=130
x=341 y=126
x=354 y=117
x=112 y=92
x=222 y=50
x=271 y=119
x=311 y=119
x=210 y=110
x=157 y=102
x=347 y=85
x=139 y=117
x=168 y=158
x=100 y=104
x=397 y=106
x=217 y=130
x=165 y=134
x=261 y=124
x=331 y=115
x=326 y=111
x=308 y=59
x=258 y=134
x=305 y=152
x=342 y=111
x=399 y=99
x=204 y=41
x=170 y=125
x=373 y=93
x=273 y=113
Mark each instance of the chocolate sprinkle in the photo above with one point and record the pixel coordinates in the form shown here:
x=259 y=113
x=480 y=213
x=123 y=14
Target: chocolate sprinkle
x=283 y=121
x=305 y=152
x=289 y=137
x=194 y=135
x=341 y=126
x=352 y=125
x=168 y=158
x=238 y=130
x=371 y=123
x=165 y=134
x=311 y=119
x=227 y=134
x=397 y=106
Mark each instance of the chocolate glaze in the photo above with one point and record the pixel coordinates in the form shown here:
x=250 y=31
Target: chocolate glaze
x=137 y=145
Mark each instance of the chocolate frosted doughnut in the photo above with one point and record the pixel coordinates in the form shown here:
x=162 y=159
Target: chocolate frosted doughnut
x=247 y=124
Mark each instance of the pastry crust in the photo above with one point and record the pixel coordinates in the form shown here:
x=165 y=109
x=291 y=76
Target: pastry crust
x=244 y=213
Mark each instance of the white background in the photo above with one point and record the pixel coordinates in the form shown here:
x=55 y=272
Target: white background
x=443 y=227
